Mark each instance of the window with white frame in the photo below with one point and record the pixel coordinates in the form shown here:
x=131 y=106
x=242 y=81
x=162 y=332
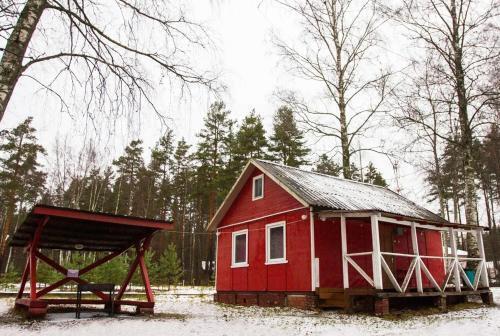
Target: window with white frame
x=240 y=249
x=276 y=243
x=258 y=187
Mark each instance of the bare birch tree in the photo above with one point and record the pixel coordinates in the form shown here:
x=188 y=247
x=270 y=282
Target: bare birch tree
x=422 y=108
x=463 y=36
x=102 y=49
x=337 y=52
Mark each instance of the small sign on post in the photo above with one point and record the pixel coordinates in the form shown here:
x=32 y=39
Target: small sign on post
x=72 y=273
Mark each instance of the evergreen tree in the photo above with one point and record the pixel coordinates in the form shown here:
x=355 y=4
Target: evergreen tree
x=250 y=141
x=328 y=166
x=287 y=144
x=170 y=267
x=183 y=177
x=355 y=173
x=128 y=167
x=213 y=178
x=159 y=189
x=373 y=176
x=21 y=181
x=214 y=150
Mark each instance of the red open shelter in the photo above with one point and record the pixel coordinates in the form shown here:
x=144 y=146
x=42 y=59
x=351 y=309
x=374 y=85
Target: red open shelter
x=48 y=227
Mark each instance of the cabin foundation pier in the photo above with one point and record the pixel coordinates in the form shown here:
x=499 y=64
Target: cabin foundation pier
x=381 y=306
x=440 y=303
x=487 y=298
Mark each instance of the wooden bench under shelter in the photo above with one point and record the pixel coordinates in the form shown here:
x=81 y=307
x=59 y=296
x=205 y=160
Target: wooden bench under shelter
x=54 y=228
x=92 y=287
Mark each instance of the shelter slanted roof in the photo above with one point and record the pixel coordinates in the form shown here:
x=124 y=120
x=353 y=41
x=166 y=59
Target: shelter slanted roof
x=70 y=229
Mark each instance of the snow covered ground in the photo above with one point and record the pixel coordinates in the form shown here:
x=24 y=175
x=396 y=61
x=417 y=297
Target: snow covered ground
x=197 y=315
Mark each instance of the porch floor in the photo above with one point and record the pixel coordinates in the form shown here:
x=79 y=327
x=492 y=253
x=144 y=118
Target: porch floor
x=367 y=299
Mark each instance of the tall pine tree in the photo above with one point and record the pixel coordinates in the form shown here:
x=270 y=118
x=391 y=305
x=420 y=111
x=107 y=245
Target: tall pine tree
x=21 y=181
x=214 y=151
x=250 y=141
x=128 y=166
x=287 y=144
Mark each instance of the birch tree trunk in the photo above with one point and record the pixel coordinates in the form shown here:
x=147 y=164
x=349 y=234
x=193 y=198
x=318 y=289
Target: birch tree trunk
x=11 y=64
x=466 y=132
x=339 y=35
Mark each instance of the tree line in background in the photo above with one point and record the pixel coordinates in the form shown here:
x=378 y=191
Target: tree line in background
x=177 y=181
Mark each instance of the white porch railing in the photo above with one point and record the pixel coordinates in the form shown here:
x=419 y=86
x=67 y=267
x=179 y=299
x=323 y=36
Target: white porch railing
x=417 y=266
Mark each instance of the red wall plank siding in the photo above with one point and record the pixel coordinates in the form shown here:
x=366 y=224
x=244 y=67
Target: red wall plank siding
x=429 y=243
x=295 y=275
x=257 y=270
x=298 y=270
x=223 y=262
x=435 y=248
x=329 y=252
x=359 y=239
x=275 y=199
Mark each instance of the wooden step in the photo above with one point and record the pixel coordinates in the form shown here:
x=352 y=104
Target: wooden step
x=327 y=293
x=338 y=301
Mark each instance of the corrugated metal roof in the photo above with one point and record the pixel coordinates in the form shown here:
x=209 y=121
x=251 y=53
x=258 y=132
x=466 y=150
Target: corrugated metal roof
x=334 y=193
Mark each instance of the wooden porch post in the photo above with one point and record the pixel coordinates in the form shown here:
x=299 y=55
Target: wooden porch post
x=343 y=237
x=480 y=245
x=418 y=271
x=456 y=271
x=376 y=262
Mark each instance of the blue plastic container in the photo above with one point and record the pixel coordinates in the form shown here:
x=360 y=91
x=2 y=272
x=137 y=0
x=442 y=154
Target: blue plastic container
x=471 y=274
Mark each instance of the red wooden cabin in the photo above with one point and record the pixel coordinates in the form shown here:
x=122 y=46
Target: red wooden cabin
x=286 y=236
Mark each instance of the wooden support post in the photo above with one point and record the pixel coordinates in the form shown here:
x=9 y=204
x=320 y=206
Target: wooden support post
x=376 y=263
x=345 y=264
x=145 y=276
x=133 y=267
x=418 y=270
x=55 y=285
x=32 y=256
x=484 y=281
x=24 y=278
x=456 y=271
x=125 y=282
x=32 y=273
x=52 y=263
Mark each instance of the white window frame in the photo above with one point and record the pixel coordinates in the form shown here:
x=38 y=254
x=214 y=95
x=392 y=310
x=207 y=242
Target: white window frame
x=235 y=264
x=261 y=177
x=270 y=261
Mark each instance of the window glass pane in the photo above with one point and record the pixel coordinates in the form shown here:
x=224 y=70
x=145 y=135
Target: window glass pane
x=276 y=243
x=257 y=190
x=240 y=254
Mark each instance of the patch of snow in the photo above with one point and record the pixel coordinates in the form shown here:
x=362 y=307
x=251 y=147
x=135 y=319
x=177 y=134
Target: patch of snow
x=183 y=315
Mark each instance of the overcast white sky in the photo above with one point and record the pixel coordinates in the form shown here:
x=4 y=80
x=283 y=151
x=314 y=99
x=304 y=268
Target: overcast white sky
x=242 y=32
